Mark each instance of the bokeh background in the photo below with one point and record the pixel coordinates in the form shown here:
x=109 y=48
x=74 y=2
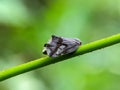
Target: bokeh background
x=25 y=25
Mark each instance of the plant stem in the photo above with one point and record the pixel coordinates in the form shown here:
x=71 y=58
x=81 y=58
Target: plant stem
x=11 y=72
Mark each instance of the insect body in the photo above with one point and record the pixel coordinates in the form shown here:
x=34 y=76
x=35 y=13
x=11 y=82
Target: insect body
x=58 y=46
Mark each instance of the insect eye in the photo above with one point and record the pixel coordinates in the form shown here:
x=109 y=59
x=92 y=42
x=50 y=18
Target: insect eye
x=47 y=45
x=53 y=36
x=44 y=52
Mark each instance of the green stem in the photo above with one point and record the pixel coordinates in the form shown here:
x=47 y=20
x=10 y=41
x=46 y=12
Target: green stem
x=11 y=72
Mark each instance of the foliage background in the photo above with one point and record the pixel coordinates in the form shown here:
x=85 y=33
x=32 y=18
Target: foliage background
x=25 y=25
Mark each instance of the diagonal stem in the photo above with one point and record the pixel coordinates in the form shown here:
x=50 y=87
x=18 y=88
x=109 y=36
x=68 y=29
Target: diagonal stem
x=11 y=72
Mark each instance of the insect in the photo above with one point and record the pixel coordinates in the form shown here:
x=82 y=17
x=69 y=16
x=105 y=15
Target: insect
x=58 y=46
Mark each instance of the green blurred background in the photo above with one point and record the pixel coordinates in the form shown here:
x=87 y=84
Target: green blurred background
x=25 y=25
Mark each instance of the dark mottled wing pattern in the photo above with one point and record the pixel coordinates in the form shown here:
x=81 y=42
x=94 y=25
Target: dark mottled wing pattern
x=59 y=46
